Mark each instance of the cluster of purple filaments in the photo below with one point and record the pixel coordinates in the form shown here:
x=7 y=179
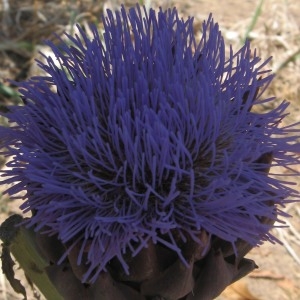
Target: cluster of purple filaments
x=147 y=132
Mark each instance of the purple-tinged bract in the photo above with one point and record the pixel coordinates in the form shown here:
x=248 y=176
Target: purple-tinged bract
x=144 y=134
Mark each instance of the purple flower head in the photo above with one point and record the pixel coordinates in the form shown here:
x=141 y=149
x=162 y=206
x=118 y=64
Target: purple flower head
x=144 y=134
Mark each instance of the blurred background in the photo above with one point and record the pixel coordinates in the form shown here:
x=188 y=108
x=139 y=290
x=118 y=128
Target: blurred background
x=272 y=26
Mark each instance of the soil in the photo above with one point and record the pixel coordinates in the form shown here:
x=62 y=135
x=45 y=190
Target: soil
x=276 y=33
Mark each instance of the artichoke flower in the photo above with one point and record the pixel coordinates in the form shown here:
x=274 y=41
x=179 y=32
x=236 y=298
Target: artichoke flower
x=144 y=162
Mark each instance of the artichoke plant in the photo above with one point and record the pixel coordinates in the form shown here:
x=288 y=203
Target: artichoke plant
x=144 y=161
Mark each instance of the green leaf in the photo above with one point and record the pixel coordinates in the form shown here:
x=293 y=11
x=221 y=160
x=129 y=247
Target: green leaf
x=20 y=242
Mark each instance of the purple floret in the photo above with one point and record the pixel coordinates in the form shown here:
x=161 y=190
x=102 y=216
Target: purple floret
x=147 y=136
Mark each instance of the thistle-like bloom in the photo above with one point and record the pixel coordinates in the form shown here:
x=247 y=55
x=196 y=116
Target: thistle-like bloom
x=144 y=135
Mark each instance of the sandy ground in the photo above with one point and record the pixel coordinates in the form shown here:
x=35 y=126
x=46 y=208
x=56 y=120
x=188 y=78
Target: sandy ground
x=276 y=33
